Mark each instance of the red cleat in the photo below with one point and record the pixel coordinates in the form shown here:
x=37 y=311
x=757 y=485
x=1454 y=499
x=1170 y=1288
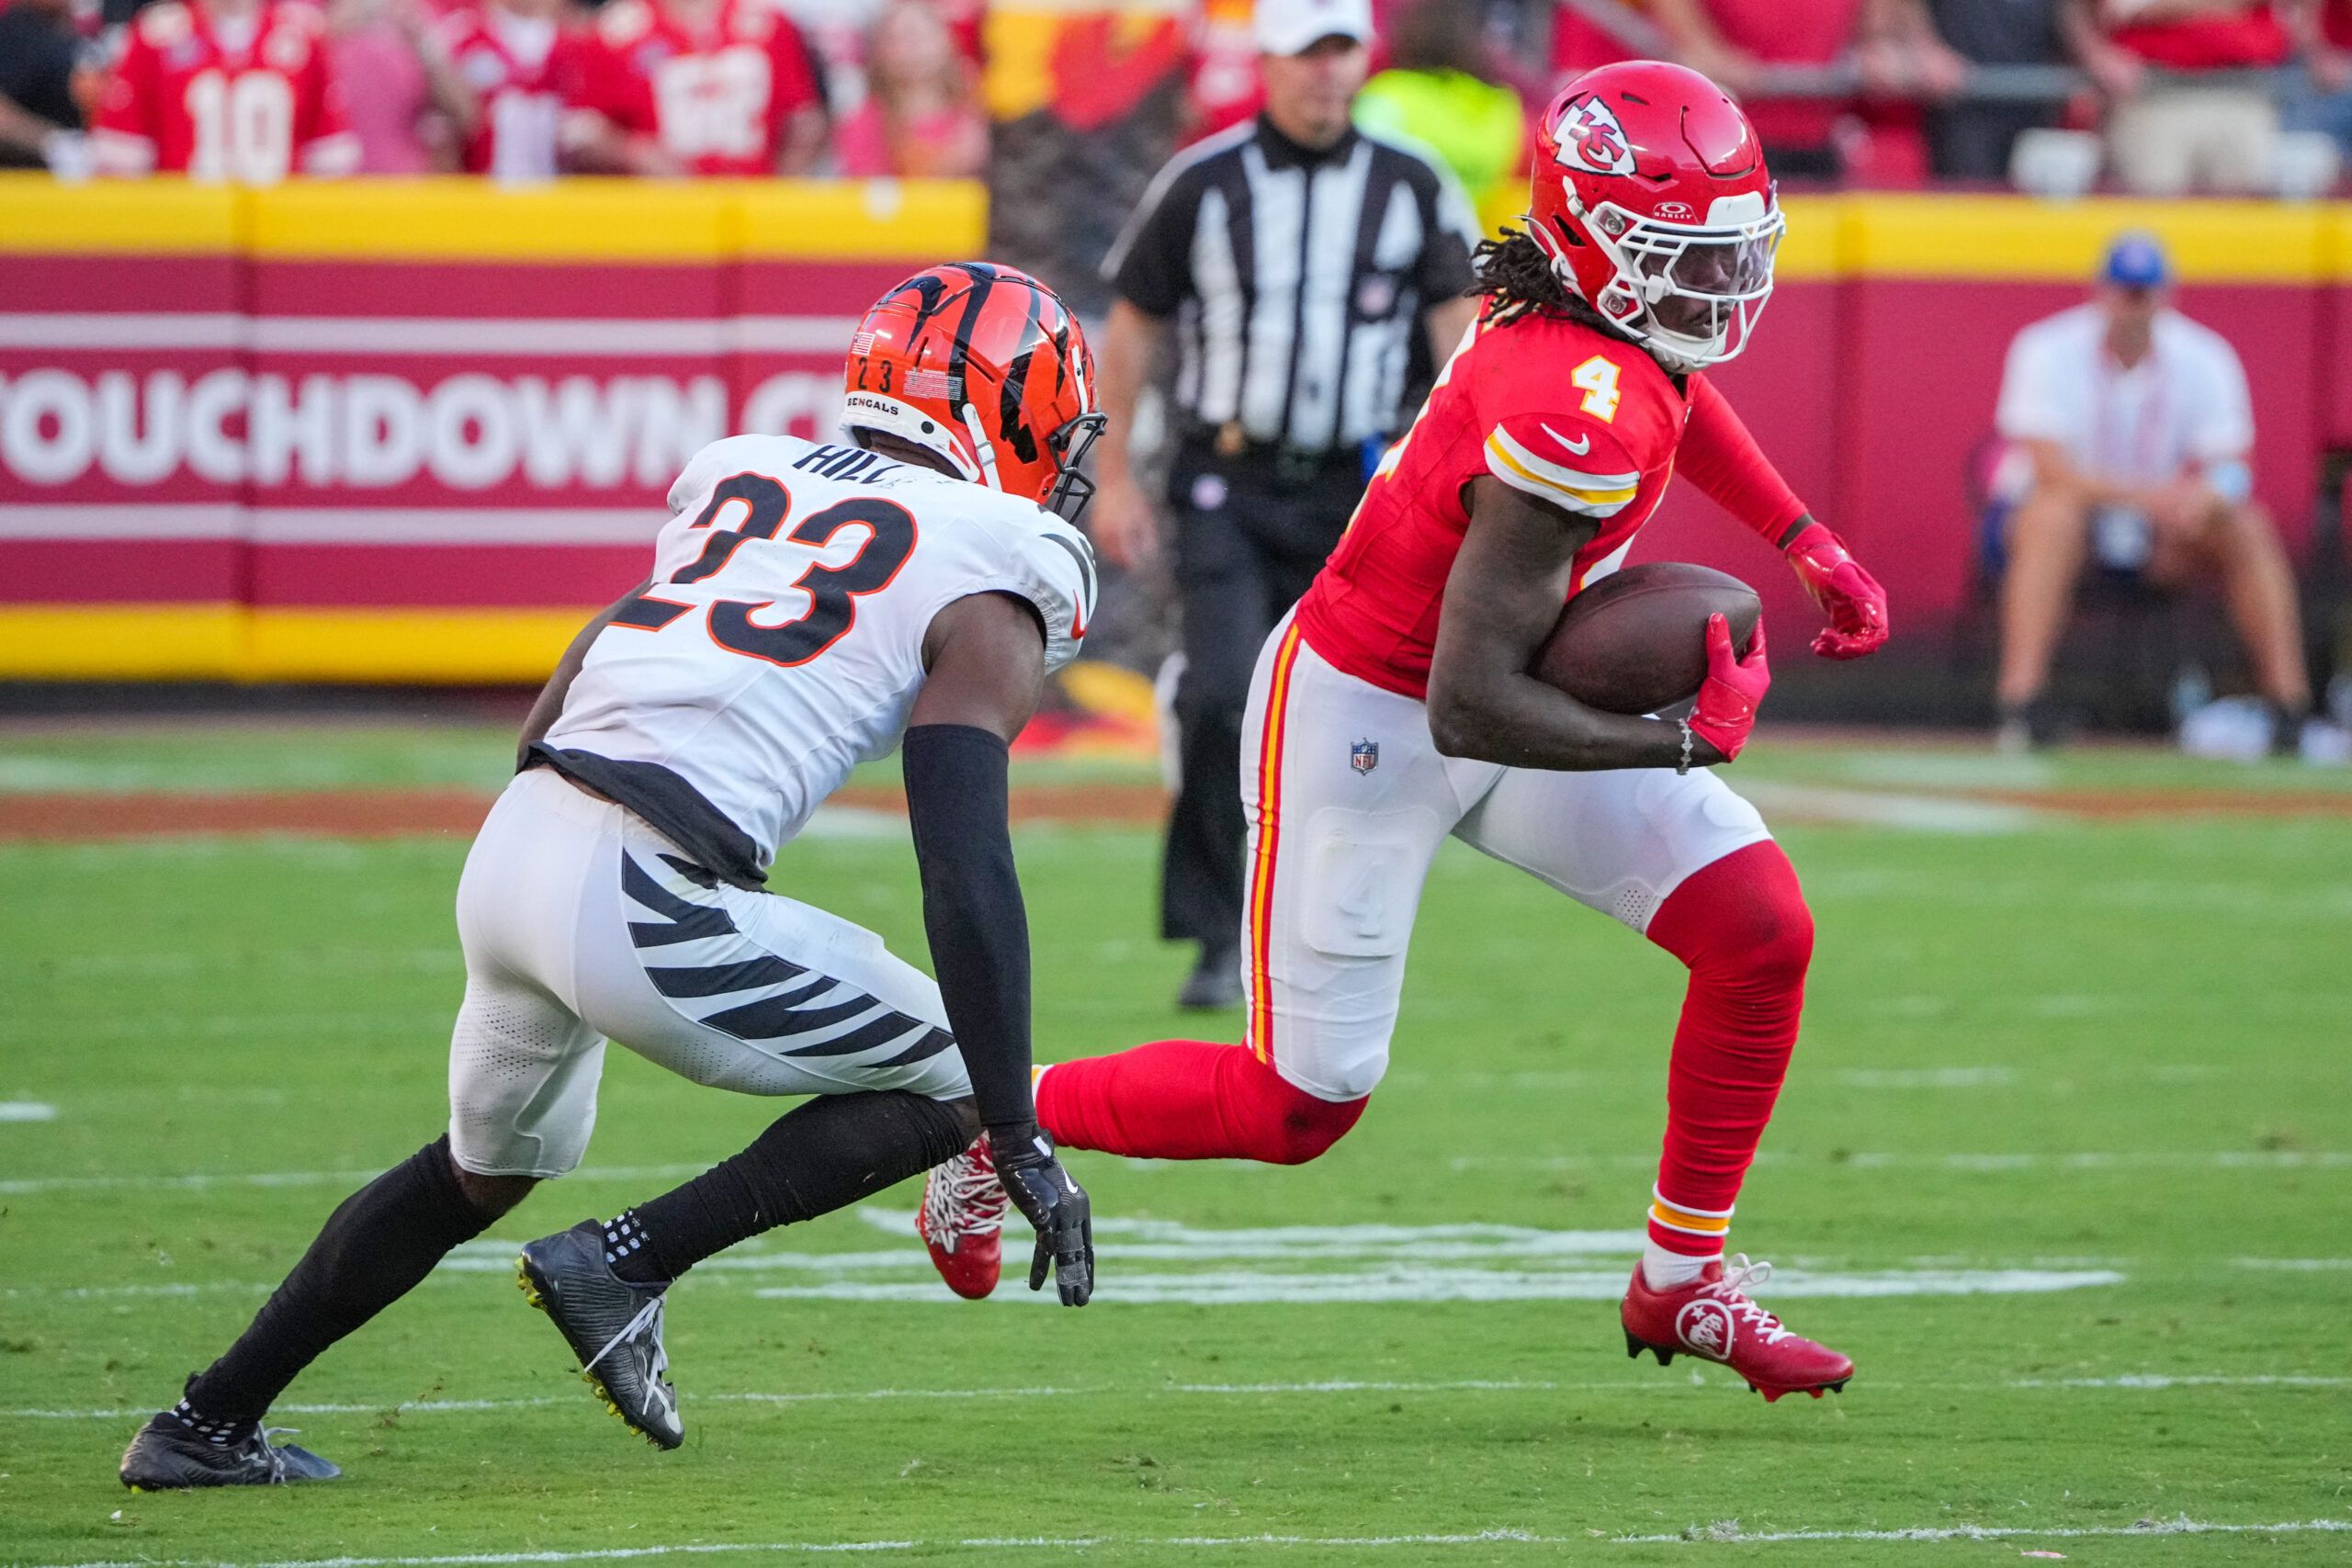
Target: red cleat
x=961 y=1220
x=1713 y=1318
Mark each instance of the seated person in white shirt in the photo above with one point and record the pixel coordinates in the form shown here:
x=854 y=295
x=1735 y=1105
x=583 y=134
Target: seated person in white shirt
x=2137 y=427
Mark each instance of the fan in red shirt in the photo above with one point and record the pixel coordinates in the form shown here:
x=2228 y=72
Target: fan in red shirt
x=236 y=90
x=671 y=87
x=1397 y=709
x=2205 y=118
x=509 y=55
x=2219 y=37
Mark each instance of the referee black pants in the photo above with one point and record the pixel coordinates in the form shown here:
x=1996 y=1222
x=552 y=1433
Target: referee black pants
x=1248 y=543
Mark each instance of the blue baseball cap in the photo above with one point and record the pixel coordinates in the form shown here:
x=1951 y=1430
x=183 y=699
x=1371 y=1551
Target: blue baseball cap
x=2136 y=260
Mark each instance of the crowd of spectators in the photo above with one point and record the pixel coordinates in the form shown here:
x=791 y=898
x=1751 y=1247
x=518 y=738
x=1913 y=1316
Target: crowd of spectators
x=253 y=91
x=2164 y=96
x=2170 y=96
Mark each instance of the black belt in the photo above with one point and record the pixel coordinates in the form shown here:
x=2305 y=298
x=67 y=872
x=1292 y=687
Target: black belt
x=1290 y=467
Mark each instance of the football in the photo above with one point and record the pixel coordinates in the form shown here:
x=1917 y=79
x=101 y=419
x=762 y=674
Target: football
x=1635 y=641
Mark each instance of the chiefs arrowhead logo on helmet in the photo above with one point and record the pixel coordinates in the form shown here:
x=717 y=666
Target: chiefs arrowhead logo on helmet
x=1653 y=203
x=1592 y=137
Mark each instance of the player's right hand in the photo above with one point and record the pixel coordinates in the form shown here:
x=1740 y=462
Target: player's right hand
x=1732 y=691
x=1122 y=526
x=1057 y=1207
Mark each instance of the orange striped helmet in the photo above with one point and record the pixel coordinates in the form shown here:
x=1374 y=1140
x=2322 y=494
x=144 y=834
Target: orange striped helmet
x=987 y=367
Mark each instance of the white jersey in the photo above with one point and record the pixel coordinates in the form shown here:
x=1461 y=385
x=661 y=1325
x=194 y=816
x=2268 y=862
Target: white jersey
x=2184 y=407
x=780 y=642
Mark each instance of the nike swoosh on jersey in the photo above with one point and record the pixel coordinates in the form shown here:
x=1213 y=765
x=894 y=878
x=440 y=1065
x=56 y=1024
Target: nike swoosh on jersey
x=1580 y=445
x=1587 y=495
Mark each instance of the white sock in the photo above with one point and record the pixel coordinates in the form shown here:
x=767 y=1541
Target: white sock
x=1661 y=1268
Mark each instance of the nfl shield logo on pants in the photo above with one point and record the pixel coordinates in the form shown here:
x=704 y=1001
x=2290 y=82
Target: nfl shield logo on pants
x=1364 y=756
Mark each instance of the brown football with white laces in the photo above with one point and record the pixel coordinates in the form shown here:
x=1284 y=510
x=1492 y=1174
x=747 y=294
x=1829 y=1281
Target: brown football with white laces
x=1635 y=642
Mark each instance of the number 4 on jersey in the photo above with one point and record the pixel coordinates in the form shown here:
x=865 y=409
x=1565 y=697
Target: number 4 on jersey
x=832 y=591
x=1597 y=378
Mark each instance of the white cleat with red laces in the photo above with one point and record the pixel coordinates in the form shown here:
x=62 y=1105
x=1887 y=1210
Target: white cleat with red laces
x=962 y=1221
x=1714 y=1318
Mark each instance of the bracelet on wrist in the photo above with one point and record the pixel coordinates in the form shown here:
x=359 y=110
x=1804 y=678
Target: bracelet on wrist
x=1688 y=740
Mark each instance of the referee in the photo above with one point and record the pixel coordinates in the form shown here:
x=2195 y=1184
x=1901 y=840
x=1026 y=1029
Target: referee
x=1295 y=259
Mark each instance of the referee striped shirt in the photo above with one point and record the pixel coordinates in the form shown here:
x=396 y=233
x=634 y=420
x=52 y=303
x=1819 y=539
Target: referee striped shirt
x=1296 y=277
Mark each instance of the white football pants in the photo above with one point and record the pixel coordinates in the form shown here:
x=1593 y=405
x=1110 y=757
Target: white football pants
x=1348 y=799
x=580 y=924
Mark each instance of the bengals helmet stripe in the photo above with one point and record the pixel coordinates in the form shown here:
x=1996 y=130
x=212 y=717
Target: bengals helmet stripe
x=987 y=367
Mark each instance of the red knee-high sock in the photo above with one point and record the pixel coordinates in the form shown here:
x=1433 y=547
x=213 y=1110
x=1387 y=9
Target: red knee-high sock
x=1742 y=926
x=1187 y=1099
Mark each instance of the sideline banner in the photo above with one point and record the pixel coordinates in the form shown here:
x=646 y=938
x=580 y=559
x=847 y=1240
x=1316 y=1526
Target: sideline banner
x=395 y=429
x=417 y=431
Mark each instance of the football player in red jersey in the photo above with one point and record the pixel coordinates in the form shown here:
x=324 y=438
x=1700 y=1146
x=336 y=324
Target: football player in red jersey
x=506 y=56
x=1396 y=708
x=236 y=90
x=670 y=87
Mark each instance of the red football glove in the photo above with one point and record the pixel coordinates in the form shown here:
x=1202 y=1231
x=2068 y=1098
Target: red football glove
x=1732 y=692
x=1849 y=596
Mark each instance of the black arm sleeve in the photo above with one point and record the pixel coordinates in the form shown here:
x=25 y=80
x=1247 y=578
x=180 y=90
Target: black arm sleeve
x=972 y=911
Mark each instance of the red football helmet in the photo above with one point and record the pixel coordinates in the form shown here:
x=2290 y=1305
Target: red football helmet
x=1652 y=199
x=987 y=367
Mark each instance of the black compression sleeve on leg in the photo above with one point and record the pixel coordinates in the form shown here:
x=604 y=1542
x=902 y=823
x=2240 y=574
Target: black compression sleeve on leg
x=972 y=911
x=373 y=1250
x=818 y=1156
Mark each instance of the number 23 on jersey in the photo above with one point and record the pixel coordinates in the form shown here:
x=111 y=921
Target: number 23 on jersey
x=762 y=506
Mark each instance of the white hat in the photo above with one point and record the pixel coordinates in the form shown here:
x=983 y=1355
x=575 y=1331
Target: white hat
x=1293 y=27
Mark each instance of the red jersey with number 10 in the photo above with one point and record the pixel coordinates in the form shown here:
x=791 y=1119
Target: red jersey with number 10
x=1582 y=421
x=248 y=102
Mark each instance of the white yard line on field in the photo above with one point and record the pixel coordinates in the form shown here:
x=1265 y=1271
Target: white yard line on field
x=27 y=1111
x=2220 y=1159
x=2136 y=1382
x=1404 y=1281
x=1728 y=1533
x=1927 y=1077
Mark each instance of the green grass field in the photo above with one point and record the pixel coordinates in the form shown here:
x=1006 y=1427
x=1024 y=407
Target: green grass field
x=2065 y=1163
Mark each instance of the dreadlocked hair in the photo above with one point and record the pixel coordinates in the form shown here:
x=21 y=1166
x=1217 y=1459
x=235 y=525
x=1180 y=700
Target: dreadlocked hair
x=1517 y=276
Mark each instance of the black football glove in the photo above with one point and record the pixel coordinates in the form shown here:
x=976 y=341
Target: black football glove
x=1057 y=1207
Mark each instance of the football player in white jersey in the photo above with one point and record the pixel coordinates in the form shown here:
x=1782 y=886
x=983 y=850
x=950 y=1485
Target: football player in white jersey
x=811 y=607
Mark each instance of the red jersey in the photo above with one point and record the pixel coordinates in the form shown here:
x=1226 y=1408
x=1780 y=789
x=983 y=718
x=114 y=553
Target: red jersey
x=1582 y=421
x=512 y=63
x=716 y=98
x=2250 y=38
x=249 y=101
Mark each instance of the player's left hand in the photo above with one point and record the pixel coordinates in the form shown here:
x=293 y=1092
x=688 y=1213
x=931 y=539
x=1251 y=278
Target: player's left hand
x=1849 y=596
x=1060 y=1210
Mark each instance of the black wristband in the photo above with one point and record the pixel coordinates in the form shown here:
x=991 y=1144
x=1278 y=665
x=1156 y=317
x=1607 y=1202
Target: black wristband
x=956 y=803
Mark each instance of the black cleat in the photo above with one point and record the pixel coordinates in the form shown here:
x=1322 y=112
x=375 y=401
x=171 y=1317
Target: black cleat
x=613 y=1325
x=1635 y=1345
x=168 y=1456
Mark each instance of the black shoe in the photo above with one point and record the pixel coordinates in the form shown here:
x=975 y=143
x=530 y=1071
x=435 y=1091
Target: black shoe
x=2036 y=726
x=2287 y=729
x=1215 y=983
x=167 y=1455
x=613 y=1325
